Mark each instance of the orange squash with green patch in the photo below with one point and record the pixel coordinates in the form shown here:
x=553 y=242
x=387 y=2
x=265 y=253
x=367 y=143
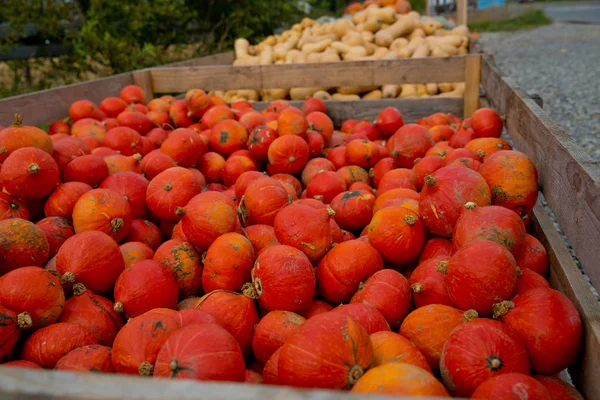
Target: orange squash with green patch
x=228 y=263
x=183 y=261
x=22 y=244
x=353 y=209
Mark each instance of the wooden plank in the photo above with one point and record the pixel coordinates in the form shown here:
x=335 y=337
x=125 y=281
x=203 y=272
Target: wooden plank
x=215 y=59
x=461 y=12
x=25 y=384
x=347 y=73
x=48 y=105
x=566 y=277
x=472 y=81
x=569 y=178
x=412 y=109
x=143 y=79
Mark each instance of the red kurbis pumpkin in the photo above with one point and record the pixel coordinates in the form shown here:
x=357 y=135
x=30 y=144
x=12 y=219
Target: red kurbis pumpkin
x=145 y=232
x=137 y=344
x=544 y=319
x=514 y=386
x=330 y=350
x=391 y=347
x=353 y=209
x=368 y=316
x=103 y=210
x=11 y=207
x=144 y=286
x=63 y=199
x=228 y=263
x=49 y=344
x=22 y=244
x=170 y=191
x=272 y=331
x=183 y=261
x=92 y=358
x=263 y=199
x=428 y=282
x=29 y=173
x=409 y=143
x=261 y=236
x=397 y=234
x=92 y=258
x=11 y=325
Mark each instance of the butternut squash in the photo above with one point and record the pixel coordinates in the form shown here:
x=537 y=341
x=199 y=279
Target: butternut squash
x=390 y=91
x=250 y=95
x=417 y=33
x=355 y=89
x=411 y=47
x=339 y=96
x=386 y=15
x=408 y=91
x=430 y=26
x=266 y=57
x=445 y=87
x=368 y=37
x=322 y=95
x=353 y=38
x=431 y=89
x=437 y=51
x=341 y=27
x=316 y=47
x=403 y=26
x=275 y=94
x=373 y=95
x=340 y=47
x=240 y=48
x=304 y=93
x=421 y=90
x=399 y=44
x=421 y=51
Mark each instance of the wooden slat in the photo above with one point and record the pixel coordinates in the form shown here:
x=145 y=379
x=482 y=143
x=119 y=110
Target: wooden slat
x=48 y=105
x=348 y=73
x=472 y=81
x=24 y=384
x=461 y=12
x=143 y=79
x=215 y=59
x=412 y=109
x=566 y=277
x=569 y=178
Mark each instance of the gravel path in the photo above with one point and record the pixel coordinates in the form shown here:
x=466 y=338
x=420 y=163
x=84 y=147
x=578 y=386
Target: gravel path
x=561 y=63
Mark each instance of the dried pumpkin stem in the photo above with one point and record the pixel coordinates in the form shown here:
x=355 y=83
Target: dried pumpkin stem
x=442 y=267
x=410 y=220
x=493 y=363
x=68 y=277
x=167 y=187
x=17 y=120
x=14 y=206
x=179 y=211
x=417 y=287
x=116 y=224
x=33 y=169
x=354 y=374
x=173 y=365
x=469 y=205
x=79 y=289
x=118 y=307
x=470 y=315
x=24 y=320
x=429 y=180
x=249 y=291
x=330 y=211
x=146 y=369
x=519 y=272
x=500 y=309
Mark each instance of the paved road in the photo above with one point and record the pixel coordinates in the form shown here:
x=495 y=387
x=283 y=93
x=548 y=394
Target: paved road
x=588 y=12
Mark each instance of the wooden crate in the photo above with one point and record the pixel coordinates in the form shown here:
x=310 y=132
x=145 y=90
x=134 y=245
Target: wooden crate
x=569 y=179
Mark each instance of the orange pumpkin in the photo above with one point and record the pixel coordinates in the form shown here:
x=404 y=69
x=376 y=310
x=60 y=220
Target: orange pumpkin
x=135 y=251
x=11 y=207
x=398 y=234
x=512 y=178
x=400 y=379
x=362 y=153
x=227 y=263
x=22 y=244
x=330 y=350
x=288 y=154
x=103 y=210
x=291 y=122
x=272 y=331
x=353 y=209
x=261 y=236
x=17 y=136
x=262 y=201
x=90 y=169
x=382 y=167
x=352 y=174
x=92 y=358
x=216 y=114
x=429 y=327
x=29 y=173
x=170 y=191
x=391 y=347
x=484 y=147
x=211 y=165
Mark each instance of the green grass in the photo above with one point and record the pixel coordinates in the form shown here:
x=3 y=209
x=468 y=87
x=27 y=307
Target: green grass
x=527 y=20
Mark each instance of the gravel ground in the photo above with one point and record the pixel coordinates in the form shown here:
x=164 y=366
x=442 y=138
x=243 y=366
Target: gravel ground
x=561 y=63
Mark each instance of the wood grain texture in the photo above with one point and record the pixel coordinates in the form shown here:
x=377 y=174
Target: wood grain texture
x=23 y=384
x=461 y=12
x=569 y=178
x=566 y=277
x=215 y=59
x=347 y=73
x=143 y=79
x=412 y=109
x=52 y=104
x=472 y=82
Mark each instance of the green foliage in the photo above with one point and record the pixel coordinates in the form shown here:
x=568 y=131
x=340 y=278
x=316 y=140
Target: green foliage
x=529 y=19
x=418 y=5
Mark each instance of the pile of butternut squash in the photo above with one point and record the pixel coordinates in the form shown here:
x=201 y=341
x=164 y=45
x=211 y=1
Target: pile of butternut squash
x=374 y=32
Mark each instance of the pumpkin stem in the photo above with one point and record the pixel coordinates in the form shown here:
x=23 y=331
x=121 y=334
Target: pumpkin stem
x=116 y=224
x=481 y=153
x=137 y=157
x=416 y=160
x=318 y=197
x=292 y=159
x=309 y=245
x=146 y=369
x=167 y=187
x=203 y=258
x=333 y=245
x=330 y=211
x=417 y=287
x=258 y=286
x=519 y=272
x=500 y=309
x=442 y=267
x=503 y=117
x=179 y=211
x=79 y=289
x=24 y=320
x=242 y=211
x=469 y=205
x=14 y=206
x=493 y=363
x=354 y=374
x=442 y=153
x=118 y=307
x=371 y=172
x=173 y=365
x=429 y=180
x=361 y=286
x=249 y=291
x=500 y=145
x=17 y=120
x=410 y=220
x=33 y=169
x=290 y=200
x=68 y=277
x=470 y=315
